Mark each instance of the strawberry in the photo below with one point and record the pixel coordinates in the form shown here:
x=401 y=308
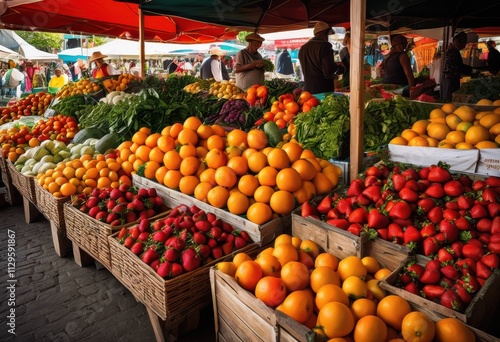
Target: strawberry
x=466 y=264
x=339 y=223
x=447 y=283
x=415 y=270
x=383 y=233
x=410 y=173
x=483 y=225
x=373 y=192
x=245 y=236
x=456 y=248
x=492 y=181
x=176 y=270
x=444 y=255
x=423 y=184
x=372 y=180
x=449 y=230
x=203 y=226
x=355 y=228
x=435 y=190
x=453 y=188
x=405 y=279
x=239 y=242
x=463 y=223
x=307 y=210
x=344 y=206
x=150 y=255
x=411 y=234
x=190 y=260
x=438 y=174
x=494 y=247
x=408 y=195
x=398 y=181
x=137 y=248
x=217 y=252
x=451 y=300
x=489 y=195
x=430 y=276
x=495 y=225
x=227 y=247
x=325 y=205
x=395 y=233
x=358 y=215
x=355 y=188
x=472 y=251
x=412 y=184
x=494 y=209
x=491 y=260
x=495 y=237
x=426 y=204
x=478 y=211
x=423 y=173
x=450 y=272
x=376 y=219
x=401 y=210
x=462 y=293
x=203 y=251
x=362 y=200
x=482 y=271
x=435 y=215
x=129 y=242
x=453 y=205
x=430 y=246
x=333 y=213
x=434 y=264
x=412 y=288
x=144 y=236
x=470 y=283
x=428 y=230
x=163 y=269
x=450 y=214
x=465 y=202
x=484 y=238
x=373 y=171
x=433 y=291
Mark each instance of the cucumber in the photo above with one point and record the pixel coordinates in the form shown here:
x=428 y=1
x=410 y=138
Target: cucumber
x=87 y=133
x=109 y=141
x=273 y=132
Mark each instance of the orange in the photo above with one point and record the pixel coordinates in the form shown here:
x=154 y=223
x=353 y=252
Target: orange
x=452 y=120
x=257 y=161
x=139 y=137
x=172 y=160
x=293 y=150
x=204 y=131
x=172 y=179
x=215 y=141
x=259 y=213
x=283 y=238
x=437 y=113
x=476 y=134
x=351 y=266
x=237 y=203
x=237 y=137
x=295 y=275
x=215 y=158
x=270 y=264
x=322 y=183
x=208 y=176
x=305 y=168
x=217 y=196
x=165 y=143
x=187 y=136
x=288 y=179
x=192 y=123
x=189 y=166
x=201 y=191
x=226 y=267
x=263 y=194
x=310 y=247
x=306 y=259
x=451 y=329
x=326 y=259
x=399 y=141
x=225 y=176
x=465 y=113
x=354 y=287
x=336 y=319
x=370 y=329
x=409 y=134
x=363 y=307
x=418 y=141
x=267 y=176
x=285 y=252
x=420 y=126
x=448 y=108
x=382 y=273
x=418 y=327
x=149 y=170
x=271 y=290
x=437 y=130
x=248 y=274
x=239 y=165
x=282 y=202
x=187 y=184
x=299 y=305
x=247 y=184
x=456 y=137
x=371 y=264
x=376 y=291
x=278 y=158
x=323 y=275
x=152 y=140
x=257 y=139
x=330 y=293
x=188 y=150
x=392 y=309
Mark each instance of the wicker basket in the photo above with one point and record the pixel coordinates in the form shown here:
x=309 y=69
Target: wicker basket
x=51 y=207
x=3 y=165
x=24 y=184
x=169 y=299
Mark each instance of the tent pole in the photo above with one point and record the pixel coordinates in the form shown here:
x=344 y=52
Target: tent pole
x=141 y=43
x=357 y=85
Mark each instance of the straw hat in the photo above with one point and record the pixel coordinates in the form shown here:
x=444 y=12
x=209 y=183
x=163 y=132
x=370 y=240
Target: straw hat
x=216 y=51
x=96 y=55
x=254 y=37
x=321 y=26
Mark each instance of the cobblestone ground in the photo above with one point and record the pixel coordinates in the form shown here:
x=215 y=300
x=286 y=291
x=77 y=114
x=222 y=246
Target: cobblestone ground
x=56 y=300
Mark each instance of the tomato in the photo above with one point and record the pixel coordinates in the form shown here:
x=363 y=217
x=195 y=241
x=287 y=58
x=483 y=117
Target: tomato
x=43 y=137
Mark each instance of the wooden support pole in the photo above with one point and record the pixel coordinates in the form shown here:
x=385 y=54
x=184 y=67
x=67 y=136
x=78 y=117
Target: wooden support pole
x=81 y=257
x=30 y=211
x=62 y=244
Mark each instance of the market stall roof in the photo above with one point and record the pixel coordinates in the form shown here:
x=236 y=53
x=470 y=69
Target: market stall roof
x=14 y=42
x=105 y=18
x=6 y=53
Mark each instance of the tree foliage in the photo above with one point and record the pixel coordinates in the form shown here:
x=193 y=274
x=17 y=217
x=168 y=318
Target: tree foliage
x=97 y=40
x=42 y=40
x=242 y=35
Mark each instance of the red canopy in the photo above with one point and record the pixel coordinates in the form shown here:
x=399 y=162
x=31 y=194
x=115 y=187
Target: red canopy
x=108 y=18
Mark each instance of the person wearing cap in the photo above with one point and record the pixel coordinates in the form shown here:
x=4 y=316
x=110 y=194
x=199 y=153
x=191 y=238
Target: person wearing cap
x=58 y=80
x=396 y=65
x=316 y=61
x=493 y=60
x=454 y=66
x=249 y=65
x=103 y=69
x=211 y=67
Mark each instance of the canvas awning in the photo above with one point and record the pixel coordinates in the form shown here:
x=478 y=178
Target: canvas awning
x=14 y=42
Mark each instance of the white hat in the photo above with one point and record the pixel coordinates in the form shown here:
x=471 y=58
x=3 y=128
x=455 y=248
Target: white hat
x=216 y=51
x=321 y=26
x=65 y=66
x=255 y=37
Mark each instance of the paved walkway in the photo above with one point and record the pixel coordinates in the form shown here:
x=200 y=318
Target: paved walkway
x=56 y=300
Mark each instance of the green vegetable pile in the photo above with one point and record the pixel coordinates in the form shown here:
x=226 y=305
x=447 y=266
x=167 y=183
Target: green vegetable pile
x=482 y=88
x=326 y=128
x=67 y=106
x=268 y=65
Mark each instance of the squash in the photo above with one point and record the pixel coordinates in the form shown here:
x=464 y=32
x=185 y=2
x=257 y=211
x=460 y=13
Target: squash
x=87 y=133
x=273 y=132
x=109 y=141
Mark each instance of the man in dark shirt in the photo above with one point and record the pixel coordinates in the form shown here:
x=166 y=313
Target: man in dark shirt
x=493 y=58
x=316 y=61
x=454 y=67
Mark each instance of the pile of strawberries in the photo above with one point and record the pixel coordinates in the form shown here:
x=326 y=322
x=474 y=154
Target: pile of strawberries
x=183 y=241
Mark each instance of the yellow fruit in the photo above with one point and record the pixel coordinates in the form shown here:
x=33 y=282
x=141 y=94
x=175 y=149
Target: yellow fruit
x=466 y=113
x=484 y=102
x=448 y=108
x=486 y=144
x=481 y=114
x=409 y=134
x=399 y=141
x=420 y=126
x=489 y=120
x=452 y=120
x=446 y=144
x=476 y=134
x=464 y=146
x=464 y=126
x=456 y=137
x=497 y=139
x=418 y=141
x=437 y=113
x=495 y=130
x=437 y=130
x=496 y=103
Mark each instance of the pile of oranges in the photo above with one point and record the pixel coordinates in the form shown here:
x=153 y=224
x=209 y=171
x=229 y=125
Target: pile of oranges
x=237 y=171
x=283 y=110
x=336 y=298
x=82 y=176
x=457 y=128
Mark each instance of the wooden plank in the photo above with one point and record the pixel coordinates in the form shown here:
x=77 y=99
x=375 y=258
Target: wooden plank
x=62 y=244
x=157 y=325
x=81 y=257
x=31 y=212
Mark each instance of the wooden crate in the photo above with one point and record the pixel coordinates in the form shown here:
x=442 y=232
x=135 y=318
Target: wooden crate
x=388 y=254
x=478 y=313
x=51 y=207
x=13 y=196
x=261 y=234
x=169 y=299
x=24 y=184
x=3 y=164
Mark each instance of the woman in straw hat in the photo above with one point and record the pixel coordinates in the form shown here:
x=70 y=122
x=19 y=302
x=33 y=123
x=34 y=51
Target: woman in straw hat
x=58 y=80
x=249 y=67
x=103 y=69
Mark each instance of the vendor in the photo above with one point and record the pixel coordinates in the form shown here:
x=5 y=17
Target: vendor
x=249 y=67
x=58 y=80
x=103 y=69
x=211 y=67
x=493 y=60
x=454 y=66
x=396 y=65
